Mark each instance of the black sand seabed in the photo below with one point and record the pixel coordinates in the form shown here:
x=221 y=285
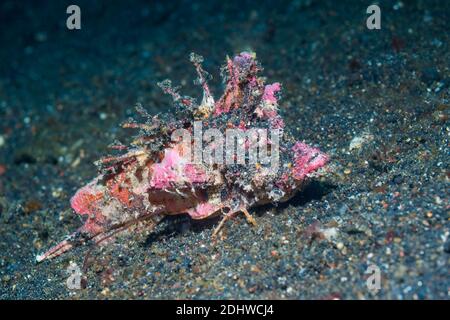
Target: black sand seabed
x=64 y=93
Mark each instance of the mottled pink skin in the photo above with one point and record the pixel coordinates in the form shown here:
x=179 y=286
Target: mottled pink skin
x=203 y=210
x=166 y=172
x=270 y=91
x=194 y=174
x=268 y=109
x=235 y=68
x=171 y=171
x=253 y=81
x=307 y=160
x=243 y=58
x=277 y=123
x=174 y=169
x=87 y=202
x=219 y=110
x=81 y=202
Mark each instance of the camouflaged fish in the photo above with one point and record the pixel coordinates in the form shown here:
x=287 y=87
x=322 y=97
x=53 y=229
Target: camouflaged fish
x=155 y=175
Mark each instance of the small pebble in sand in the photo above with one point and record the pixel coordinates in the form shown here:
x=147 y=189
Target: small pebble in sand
x=56 y=193
x=358 y=141
x=330 y=233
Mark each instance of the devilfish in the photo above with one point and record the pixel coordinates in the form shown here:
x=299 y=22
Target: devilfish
x=155 y=174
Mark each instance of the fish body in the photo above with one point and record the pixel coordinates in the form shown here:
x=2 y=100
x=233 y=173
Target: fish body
x=170 y=168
